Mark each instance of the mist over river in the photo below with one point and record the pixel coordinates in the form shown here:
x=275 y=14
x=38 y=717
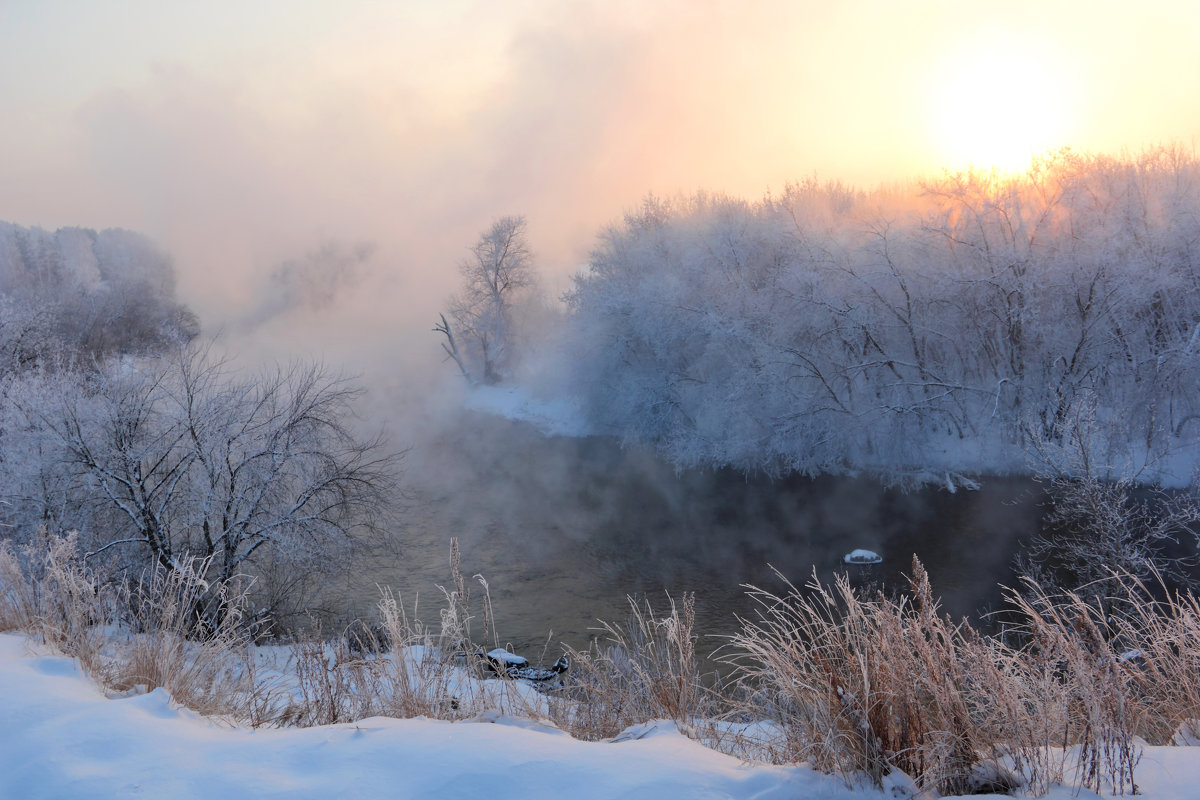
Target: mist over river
x=563 y=529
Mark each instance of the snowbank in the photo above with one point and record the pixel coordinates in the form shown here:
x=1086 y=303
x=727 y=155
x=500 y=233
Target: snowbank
x=60 y=737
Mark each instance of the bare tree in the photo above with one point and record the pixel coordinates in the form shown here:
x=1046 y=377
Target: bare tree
x=183 y=460
x=451 y=347
x=500 y=265
x=1098 y=530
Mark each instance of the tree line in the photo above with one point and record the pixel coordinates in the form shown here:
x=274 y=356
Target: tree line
x=984 y=322
x=82 y=295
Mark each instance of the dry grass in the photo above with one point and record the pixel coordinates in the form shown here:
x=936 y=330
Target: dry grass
x=334 y=684
x=861 y=685
x=1019 y=710
x=202 y=661
x=644 y=670
x=404 y=668
x=425 y=672
x=1070 y=648
x=1126 y=666
x=47 y=593
x=853 y=684
x=1159 y=650
x=172 y=629
x=135 y=636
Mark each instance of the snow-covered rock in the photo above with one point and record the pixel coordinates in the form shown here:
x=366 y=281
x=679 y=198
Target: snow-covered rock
x=861 y=556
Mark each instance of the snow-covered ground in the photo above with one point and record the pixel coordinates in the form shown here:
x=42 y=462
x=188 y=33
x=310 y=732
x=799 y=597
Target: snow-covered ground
x=556 y=417
x=60 y=737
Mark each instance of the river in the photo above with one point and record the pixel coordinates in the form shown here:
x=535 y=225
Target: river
x=564 y=529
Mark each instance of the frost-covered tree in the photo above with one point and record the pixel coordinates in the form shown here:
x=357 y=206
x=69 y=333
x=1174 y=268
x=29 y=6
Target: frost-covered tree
x=179 y=458
x=311 y=281
x=1097 y=530
x=919 y=335
x=77 y=294
x=480 y=331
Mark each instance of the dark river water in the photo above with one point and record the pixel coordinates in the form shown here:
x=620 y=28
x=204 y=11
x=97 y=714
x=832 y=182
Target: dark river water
x=563 y=530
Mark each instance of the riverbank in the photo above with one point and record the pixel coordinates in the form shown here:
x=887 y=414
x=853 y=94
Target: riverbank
x=62 y=737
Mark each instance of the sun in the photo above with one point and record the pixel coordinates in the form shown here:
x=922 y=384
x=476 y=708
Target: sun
x=998 y=103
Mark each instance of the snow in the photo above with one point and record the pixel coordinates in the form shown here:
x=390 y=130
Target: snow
x=502 y=656
x=552 y=417
x=861 y=556
x=61 y=737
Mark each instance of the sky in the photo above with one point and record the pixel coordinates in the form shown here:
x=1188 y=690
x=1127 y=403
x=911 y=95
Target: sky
x=241 y=134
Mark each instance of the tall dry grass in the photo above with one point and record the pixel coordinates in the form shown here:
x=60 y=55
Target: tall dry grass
x=643 y=670
x=861 y=685
x=47 y=592
x=172 y=629
x=1156 y=633
x=333 y=683
x=405 y=670
x=202 y=659
x=136 y=635
x=865 y=684
x=1070 y=639
x=852 y=683
x=401 y=667
x=1126 y=664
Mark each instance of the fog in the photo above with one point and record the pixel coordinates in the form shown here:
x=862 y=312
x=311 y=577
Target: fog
x=242 y=138
x=318 y=172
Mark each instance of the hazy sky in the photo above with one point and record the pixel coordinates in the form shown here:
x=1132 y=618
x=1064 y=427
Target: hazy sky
x=241 y=133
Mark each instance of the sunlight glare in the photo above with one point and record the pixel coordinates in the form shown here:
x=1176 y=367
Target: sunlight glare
x=998 y=106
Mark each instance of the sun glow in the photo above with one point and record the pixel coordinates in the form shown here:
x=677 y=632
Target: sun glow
x=998 y=104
